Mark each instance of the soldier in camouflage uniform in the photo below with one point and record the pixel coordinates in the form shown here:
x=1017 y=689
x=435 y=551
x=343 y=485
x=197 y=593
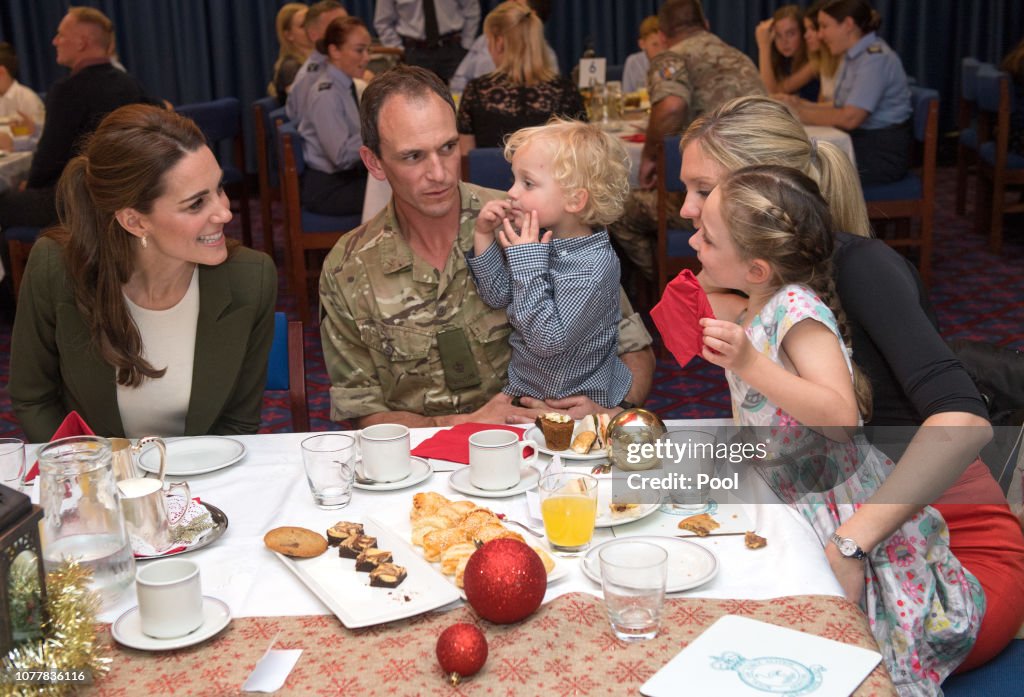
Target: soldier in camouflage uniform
x=405 y=336
x=696 y=74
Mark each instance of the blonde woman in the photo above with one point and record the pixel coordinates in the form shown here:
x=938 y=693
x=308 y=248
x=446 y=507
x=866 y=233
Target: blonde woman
x=524 y=90
x=825 y=64
x=920 y=390
x=295 y=48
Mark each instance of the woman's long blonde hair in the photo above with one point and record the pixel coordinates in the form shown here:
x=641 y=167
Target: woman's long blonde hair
x=525 y=60
x=761 y=131
x=287 y=49
x=827 y=64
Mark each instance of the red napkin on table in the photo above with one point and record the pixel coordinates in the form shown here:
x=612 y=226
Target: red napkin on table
x=677 y=316
x=635 y=138
x=453 y=444
x=73 y=425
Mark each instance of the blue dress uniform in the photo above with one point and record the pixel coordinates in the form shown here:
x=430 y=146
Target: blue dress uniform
x=311 y=71
x=872 y=78
x=335 y=178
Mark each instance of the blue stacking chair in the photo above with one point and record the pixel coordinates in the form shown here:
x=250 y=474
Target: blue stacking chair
x=673 y=252
x=1000 y=676
x=967 y=140
x=221 y=120
x=305 y=231
x=266 y=166
x=286 y=369
x=914 y=195
x=488 y=167
x=998 y=168
x=19 y=245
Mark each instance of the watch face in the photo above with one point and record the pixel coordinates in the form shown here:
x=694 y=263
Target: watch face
x=848 y=547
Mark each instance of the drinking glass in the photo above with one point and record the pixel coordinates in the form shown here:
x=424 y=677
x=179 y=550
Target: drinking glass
x=568 y=504
x=613 y=100
x=633 y=575
x=329 y=461
x=12 y=461
x=690 y=455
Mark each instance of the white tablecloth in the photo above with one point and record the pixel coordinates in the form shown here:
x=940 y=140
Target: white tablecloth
x=268 y=489
x=837 y=137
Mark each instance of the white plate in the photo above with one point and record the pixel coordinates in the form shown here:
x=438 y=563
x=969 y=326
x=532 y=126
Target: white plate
x=537 y=436
x=127 y=629
x=194 y=455
x=605 y=517
x=349 y=595
x=689 y=564
x=459 y=480
x=403 y=530
x=420 y=471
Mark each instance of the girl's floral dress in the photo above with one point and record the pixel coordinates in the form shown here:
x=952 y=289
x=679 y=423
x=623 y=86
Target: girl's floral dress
x=925 y=609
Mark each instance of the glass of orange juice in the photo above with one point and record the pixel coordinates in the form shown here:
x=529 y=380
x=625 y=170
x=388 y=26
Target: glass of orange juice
x=568 y=504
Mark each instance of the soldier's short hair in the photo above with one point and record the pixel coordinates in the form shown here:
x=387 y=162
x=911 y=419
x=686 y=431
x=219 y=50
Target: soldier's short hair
x=677 y=15
x=404 y=80
x=102 y=28
x=318 y=9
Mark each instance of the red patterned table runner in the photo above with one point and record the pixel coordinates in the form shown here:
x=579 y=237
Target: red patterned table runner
x=565 y=648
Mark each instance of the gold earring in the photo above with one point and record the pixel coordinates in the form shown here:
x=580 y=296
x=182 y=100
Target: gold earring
x=144 y=242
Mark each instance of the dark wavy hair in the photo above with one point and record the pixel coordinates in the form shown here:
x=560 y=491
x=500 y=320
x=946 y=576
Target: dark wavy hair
x=122 y=165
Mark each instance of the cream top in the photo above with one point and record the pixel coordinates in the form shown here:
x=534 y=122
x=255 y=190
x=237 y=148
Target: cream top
x=158 y=407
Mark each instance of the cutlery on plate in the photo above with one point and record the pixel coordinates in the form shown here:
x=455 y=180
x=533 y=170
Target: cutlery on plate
x=527 y=528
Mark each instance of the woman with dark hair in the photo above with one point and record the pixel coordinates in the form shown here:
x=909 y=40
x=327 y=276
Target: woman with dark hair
x=782 y=55
x=872 y=97
x=525 y=89
x=335 y=178
x=136 y=311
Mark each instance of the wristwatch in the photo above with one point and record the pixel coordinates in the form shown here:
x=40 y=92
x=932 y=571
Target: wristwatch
x=848 y=547
x=627 y=405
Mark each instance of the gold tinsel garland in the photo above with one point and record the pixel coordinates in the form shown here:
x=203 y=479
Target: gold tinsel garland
x=69 y=642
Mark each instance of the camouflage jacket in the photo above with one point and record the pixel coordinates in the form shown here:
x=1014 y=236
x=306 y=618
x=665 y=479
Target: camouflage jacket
x=703 y=71
x=398 y=335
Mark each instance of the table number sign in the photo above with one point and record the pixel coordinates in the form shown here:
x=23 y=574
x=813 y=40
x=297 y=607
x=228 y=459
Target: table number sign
x=592 y=72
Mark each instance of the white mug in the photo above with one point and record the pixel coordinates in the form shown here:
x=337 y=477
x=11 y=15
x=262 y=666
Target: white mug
x=385 y=452
x=496 y=459
x=170 y=598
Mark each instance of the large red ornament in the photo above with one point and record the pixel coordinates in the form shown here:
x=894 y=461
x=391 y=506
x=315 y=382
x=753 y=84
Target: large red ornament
x=461 y=651
x=505 y=581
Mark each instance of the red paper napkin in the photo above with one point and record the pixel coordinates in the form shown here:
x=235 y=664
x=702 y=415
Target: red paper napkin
x=677 y=316
x=73 y=425
x=453 y=444
x=635 y=138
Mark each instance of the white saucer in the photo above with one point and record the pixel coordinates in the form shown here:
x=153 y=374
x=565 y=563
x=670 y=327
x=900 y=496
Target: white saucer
x=689 y=564
x=193 y=455
x=528 y=478
x=420 y=471
x=127 y=629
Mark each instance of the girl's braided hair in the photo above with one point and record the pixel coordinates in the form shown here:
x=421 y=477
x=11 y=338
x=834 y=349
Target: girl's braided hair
x=778 y=214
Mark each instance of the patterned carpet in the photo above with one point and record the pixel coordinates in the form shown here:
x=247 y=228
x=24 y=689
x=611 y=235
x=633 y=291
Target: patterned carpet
x=977 y=294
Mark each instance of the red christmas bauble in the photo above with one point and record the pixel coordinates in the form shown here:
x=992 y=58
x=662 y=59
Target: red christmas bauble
x=505 y=581
x=461 y=651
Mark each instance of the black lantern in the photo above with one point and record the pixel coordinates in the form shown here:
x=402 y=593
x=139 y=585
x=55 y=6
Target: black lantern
x=22 y=579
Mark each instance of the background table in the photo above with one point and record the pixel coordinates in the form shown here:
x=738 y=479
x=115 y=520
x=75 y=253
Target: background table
x=14 y=167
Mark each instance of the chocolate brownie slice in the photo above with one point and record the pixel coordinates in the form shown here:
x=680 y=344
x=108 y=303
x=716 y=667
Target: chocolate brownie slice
x=341 y=531
x=370 y=559
x=350 y=547
x=387 y=575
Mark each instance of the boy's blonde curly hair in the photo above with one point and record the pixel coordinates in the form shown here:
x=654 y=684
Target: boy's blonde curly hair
x=583 y=157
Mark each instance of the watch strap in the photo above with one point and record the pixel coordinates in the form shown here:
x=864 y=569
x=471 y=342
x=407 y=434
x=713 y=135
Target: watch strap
x=839 y=542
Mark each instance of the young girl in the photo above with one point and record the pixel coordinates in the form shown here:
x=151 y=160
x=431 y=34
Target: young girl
x=782 y=55
x=560 y=287
x=767 y=231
